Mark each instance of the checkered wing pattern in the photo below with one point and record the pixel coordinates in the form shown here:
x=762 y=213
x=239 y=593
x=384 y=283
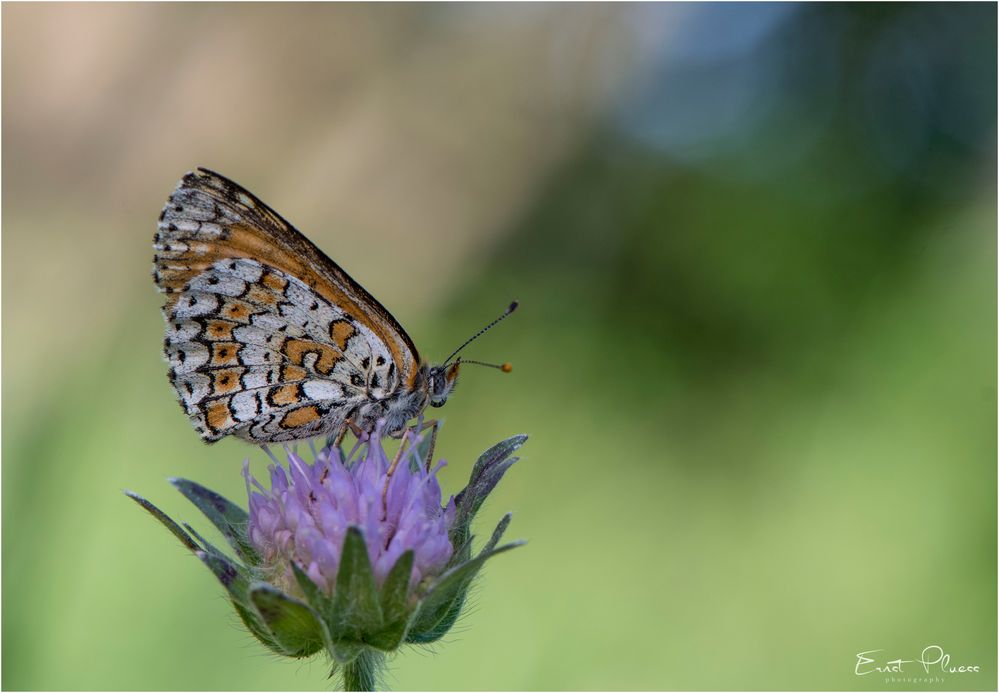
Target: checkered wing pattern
x=267 y=338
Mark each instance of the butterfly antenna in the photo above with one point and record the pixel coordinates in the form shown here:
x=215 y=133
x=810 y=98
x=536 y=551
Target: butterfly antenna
x=512 y=307
x=505 y=367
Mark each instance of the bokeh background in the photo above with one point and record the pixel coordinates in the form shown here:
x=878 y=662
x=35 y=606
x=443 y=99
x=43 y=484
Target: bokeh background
x=755 y=247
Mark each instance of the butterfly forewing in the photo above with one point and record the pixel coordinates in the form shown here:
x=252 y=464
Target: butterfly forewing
x=266 y=337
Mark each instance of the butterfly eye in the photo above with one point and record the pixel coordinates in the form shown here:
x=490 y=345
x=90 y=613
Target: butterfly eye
x=434 y=380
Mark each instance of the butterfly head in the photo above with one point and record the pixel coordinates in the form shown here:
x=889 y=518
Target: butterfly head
x=441 y=381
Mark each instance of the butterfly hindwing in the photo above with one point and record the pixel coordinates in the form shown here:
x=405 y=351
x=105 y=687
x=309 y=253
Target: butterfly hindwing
x=210 y=218
x=264 y=340
x=250 y=361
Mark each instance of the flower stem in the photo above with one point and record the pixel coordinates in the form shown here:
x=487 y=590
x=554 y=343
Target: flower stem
x=362 y=673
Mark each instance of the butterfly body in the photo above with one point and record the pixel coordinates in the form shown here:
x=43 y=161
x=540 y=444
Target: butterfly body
x=267 y=338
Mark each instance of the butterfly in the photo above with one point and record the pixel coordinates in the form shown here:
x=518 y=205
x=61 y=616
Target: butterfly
x=270 y=340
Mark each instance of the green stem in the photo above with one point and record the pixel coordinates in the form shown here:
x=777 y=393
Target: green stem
x=362 y=673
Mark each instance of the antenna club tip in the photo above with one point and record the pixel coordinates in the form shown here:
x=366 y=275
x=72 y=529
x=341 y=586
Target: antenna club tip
x=513 y=306
x=506 y=367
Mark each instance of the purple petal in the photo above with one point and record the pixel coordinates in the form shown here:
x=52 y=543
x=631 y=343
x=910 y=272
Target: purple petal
x=304 y=516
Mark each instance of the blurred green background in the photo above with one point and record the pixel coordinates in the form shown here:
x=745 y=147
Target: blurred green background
x=755 y=247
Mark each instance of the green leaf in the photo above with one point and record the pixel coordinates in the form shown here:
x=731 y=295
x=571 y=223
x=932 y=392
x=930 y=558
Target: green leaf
x=227 y=517
x=395 y=591
x=464 y=552
x=345 y=651
x=296 y=629
x=232 y=576
x=446 y=594
x=438 y=630
x=184 y=537
x=211 y=548
x=356 y=606
x=396 y=608
x=453 y=610
x=256 y=627
x=487 y=472
x=319 y=602
x=237 y=585
x=497 y=534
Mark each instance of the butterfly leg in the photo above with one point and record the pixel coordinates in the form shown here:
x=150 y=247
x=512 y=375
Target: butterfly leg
x=434 y=425
x=415 y=431
x=398 y=455
x=348 y=425
x=338 y=441
x=406 y=433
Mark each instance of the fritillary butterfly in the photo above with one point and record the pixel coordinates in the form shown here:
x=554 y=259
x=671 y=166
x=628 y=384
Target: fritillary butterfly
x=270 y=340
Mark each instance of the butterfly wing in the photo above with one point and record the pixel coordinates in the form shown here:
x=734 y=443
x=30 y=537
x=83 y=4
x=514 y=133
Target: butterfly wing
x=267 y=337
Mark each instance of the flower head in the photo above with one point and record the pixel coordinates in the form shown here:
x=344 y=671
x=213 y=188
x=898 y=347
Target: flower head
x=345 y=554
x=304 y=517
